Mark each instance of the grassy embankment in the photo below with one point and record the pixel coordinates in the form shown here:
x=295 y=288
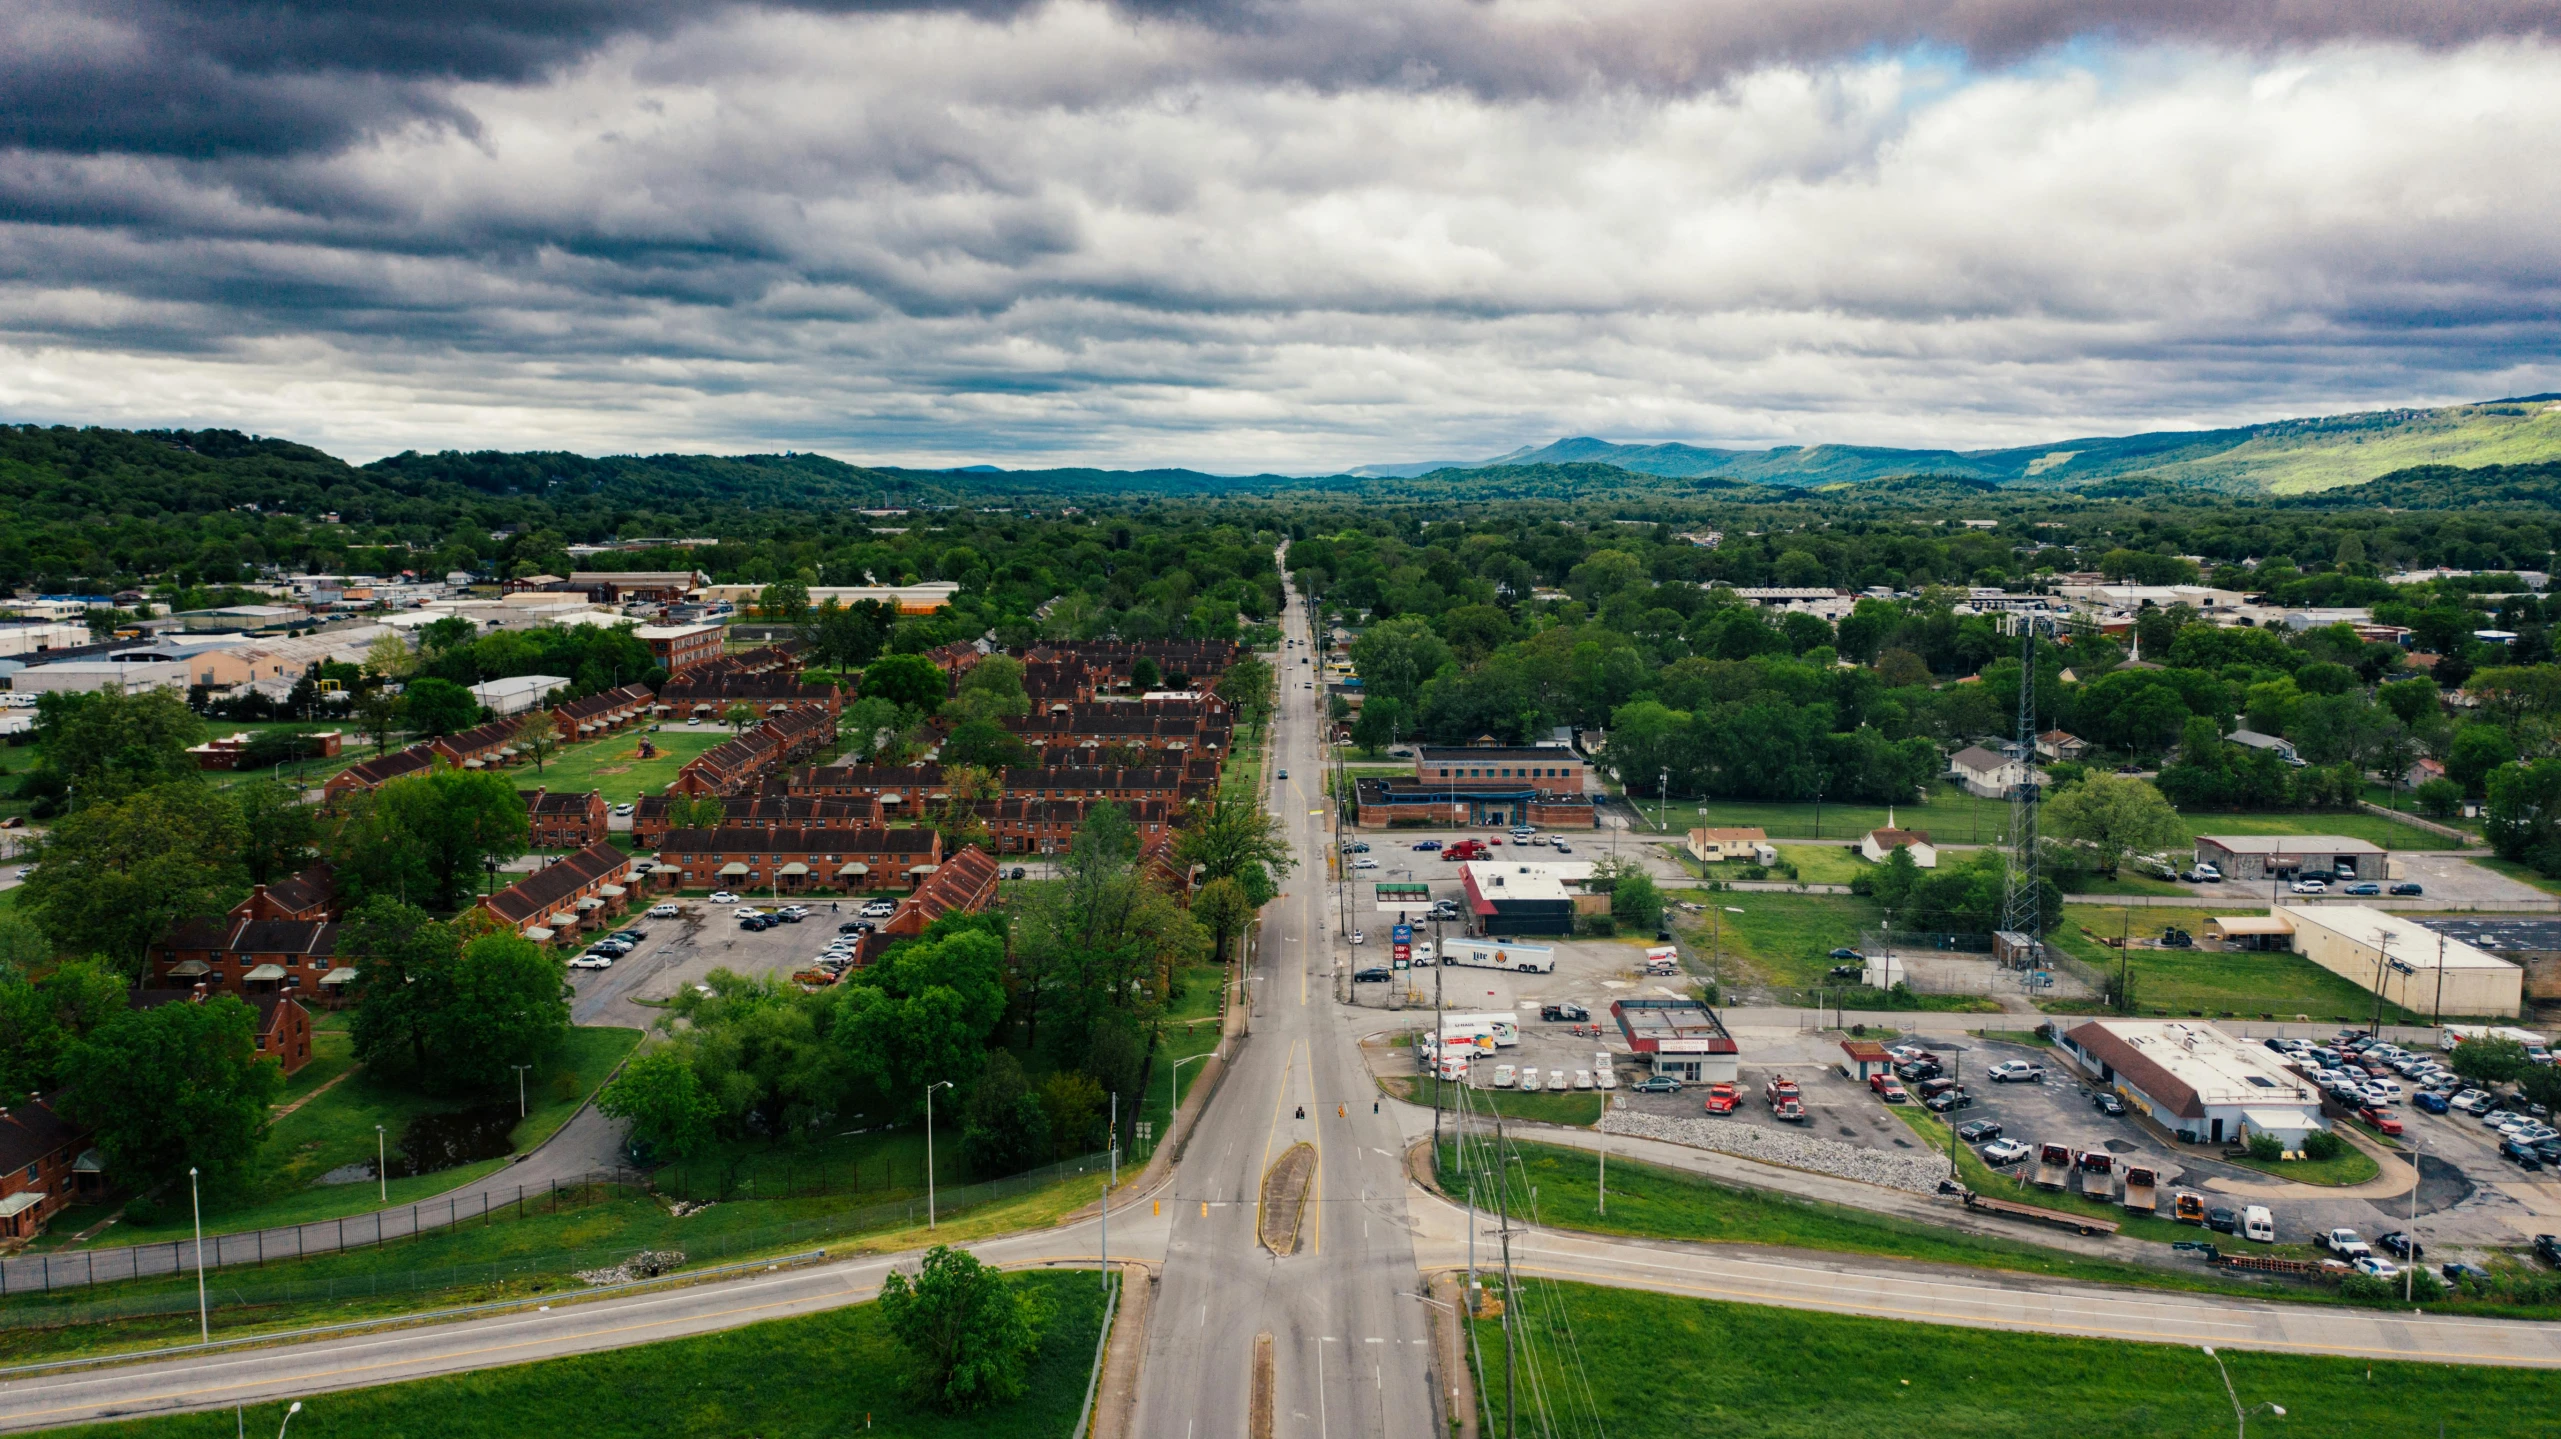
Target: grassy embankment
x=824 y=1375
x=337 y=1128
x=1656 y=1364
x=1953 y=817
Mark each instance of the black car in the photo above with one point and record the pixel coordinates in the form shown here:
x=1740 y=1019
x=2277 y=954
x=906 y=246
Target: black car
x=2401 y=1246
x=2408 y=887
x=1017 y=874
x=2547 y=1247
x=1371 y=976
x=758 y=921
x=1564 y=1013
x=2520 y=1155
x=852 y=926
x=1945 y=1100
x=787 y=917
x=2548 y=1150
x=1978 y=1131
x=1846 y=954
x=2223 y=1221
x=1848 y=971
x=631 y=936
x=1916 y=1071
x=2459 y=1271
x=2108 y=1104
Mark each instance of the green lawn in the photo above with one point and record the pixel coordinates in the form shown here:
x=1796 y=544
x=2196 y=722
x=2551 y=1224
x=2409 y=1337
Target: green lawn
x=337 y=1128
x=1952 y=816
x=2520 y=873
x=1782 y=943
x=812 y=1378
x=2355 y=1166
x=1654 y=1364
x=2178 y=982
x=1191 y=1029
x=613 y=764
x=1815 y=863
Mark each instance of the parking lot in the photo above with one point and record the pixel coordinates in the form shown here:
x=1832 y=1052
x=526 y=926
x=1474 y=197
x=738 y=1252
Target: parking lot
x=685 y=950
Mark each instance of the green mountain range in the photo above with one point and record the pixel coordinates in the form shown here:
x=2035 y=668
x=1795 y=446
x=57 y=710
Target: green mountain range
x=2284 y=457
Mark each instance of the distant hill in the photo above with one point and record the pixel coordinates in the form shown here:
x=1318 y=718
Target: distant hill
x=2282 y=457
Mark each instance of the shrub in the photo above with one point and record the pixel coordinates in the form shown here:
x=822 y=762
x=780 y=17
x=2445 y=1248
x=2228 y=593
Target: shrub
x=2266 y=1148
x=2322 y=1144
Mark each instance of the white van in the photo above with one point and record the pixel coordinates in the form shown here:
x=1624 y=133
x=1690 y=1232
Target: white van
x=2258 y=1224
x=1504 y=1075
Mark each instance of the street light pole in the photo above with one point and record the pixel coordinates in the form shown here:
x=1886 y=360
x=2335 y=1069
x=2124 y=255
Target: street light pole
x=520 y=1087
x=929 y=1147
x=1174 y=1092
x=289 y=1413
x=204 y=1320
x=381 y=1164
x=2240 y=1416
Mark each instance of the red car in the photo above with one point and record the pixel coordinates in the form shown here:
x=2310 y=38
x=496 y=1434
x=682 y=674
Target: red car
x=1722 y=1098
x=2382 y=1119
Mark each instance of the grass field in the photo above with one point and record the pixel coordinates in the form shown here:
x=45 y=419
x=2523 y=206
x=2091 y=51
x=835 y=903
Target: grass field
x=1782 y=943
x=1579 y=1108
x=826 y=1375
x=613 y=764
x=1191 y=1028
x=2520 y=873
x=1815 y=863
x=2171 y=981
x=337 y=1128
x=1646 y=1364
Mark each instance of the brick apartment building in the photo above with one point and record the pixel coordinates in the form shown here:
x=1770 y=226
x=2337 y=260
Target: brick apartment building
x=604 y=713
x=566 y=820
x=572 y=895
x=681 y=647
x=763 y=809
x=40 y=1169
x=799 y=861
x=312 y=894
x=1455 y=803
x=377 y=772
x=481 y=747
x=742 y=763
x=282 y=1026
x=247 y=957
x=962 y=884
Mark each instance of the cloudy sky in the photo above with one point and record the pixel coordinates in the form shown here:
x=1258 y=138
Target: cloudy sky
x=1243 y=234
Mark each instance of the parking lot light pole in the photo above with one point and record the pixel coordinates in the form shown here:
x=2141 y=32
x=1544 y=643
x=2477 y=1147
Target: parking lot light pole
x=2410 y=1261
x=2240 y=1416
x=520 y=1087
x=929 y=1147
x=204 y=1321
x=381 y=1164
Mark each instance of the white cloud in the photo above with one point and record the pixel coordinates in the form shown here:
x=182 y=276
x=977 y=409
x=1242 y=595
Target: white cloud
x=1076 y=236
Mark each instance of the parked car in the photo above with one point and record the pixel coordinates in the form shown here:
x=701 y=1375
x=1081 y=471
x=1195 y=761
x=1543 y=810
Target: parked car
x=2430 y=1102
x=2375 y=1266
x=2345 y=1243
x=2473 y=1101
x=2409 y=887
x=2383 y=1120
x=1371 y=976
x=2547 y=1247
x=1364 y=862
x=879 y=909
x=1846 y=953
x=1722 y=1098
x=2311 y=886
x=2368 y=887
x=1947 y=1101
x=2001 y=1153
x=2223 y=1221
x=1505 y=1076
x=1356 y=846
x=622 y=810
x=2458 y=1271
x=664 y=911
x=1916 y=1071
x=592 y=960
x=1978 y=1131
x=2209 y=874
x=1565 y=1013
x=1888 y=1088
x=1932 y=1088
x=2017 y=1071
x=2402 y=1246
x=722 y=896
x=2520 y=1155
x=1428 y=845
x=1018 y=873
x=1657 y=1084
x=2108 y=1104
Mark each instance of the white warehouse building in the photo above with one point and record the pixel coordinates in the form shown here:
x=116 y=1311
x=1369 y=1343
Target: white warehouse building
x=2194 y=1081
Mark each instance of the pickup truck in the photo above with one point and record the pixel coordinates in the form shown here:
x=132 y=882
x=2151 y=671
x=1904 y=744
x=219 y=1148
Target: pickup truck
x=2142 y=1188
x=1888 y=1088
x=2345 y=1243
x=2053 y=1166
x=1722 y=1099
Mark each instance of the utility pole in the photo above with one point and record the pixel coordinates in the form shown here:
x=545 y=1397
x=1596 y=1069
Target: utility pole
x=1663 y=800
x=1503 y=1220
x=1440 y=1039
x=2436 y=1016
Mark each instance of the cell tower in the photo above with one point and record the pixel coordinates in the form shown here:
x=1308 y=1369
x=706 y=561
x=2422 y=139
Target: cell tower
x=2020 y=912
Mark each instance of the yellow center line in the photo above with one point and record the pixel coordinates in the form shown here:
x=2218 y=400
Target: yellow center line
x=1280 y=1096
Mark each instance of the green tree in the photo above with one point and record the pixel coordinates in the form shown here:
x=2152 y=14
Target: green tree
x=378 y=718
x=430 y=836
x=538 y=738
x=909 y=681
x=39 y=1022
x=438 y=706
x=23 y=946
x=1382 y=723
x=1395 y=656
x=696 y=811
x=279 y=831
x=991 y=691
x=1223 y=908
x=1635 y=902
x=2477 y=750
x=2106 y=817
x=109 y=744
x=401 y=958
x=111 y=878
x=921 y=1013
x=968 y=1333
x=985 y=744
x=1251 y=688
x=1004 y=1129
x=849 y=636
x=785 y=600
x=499 y=1004
x=1226 y=839
x=2489 y=1061
x=666 y=1106
x=2438 y=797
x=175 y=1087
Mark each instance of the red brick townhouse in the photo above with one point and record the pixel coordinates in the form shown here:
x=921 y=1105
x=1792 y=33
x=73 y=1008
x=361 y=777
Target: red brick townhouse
x=1017 y=824
x=602 y=713
x=681 y=647
x=708 y=691
x=762 y=809
x=739 y=764
x=40 y=1152
x=897 y=788
x=312 y=894
x=962 y=884
x=570 y=896
x=483 y=747
x=567 y=820
x=375 y=773
x=248 y=957
x=799 y=861
x=283 y=1026
x=1174 y=783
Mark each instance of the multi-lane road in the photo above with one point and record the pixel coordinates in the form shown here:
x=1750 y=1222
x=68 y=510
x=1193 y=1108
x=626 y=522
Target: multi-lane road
x=1351 y=1354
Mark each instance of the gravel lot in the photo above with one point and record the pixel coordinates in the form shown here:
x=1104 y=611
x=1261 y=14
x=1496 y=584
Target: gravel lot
x=1918 y=1172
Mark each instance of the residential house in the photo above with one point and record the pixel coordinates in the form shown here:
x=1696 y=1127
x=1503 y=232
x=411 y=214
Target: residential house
x=377 y=772
x=1878 y=843
x=566 y=820
x=2057 y=744
x=741 y=763
x=573 y=894
x=310 y=895
x=798 y=861
x=246 y=957
x=40 y=1152
x=1987 y=773
x=481 y=747
x=602 y=713
x=762 y=809
x=963 y=884
x=282 y=1028
x=1711 y=846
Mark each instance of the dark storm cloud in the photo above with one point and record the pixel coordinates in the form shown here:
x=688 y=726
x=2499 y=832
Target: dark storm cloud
x=200 y=78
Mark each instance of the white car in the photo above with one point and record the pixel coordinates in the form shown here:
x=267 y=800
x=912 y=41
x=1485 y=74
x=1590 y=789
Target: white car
x=1606 y=1077
x=664 y=911
x=2472 y=1101
x=722 y=896
x=1529 y=1076
x=622 y=809
x=879 y=909
x=1558 y=1080
x=2376 y=1266
x=694 y=723
x=746 y=911
x=1505 y=1076
x=1582 y=1079
x=2015 y=1071
x=2004 y=1151
x=592 y=961
x=2311 y=886
x=1360 y=936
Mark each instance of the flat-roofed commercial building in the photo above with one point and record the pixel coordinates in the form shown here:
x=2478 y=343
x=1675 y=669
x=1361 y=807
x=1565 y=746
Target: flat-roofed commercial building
x=2195 y=1082
x=2262 y=856
x=2409 y=964
x=1681 y=1038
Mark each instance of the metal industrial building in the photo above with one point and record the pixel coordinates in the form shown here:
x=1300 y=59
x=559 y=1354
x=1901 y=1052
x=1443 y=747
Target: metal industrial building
x=2197 y=1083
